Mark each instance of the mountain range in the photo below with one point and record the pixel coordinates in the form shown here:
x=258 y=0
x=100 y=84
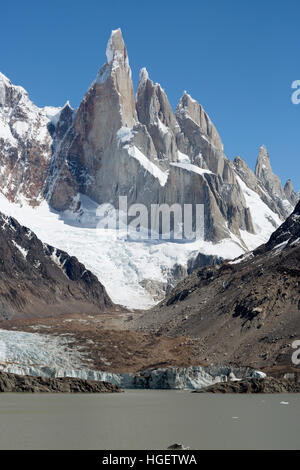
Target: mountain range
x=115 y=305
x=62 y=163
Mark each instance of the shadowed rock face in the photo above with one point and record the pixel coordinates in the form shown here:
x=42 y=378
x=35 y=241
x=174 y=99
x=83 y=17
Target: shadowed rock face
x=245 y=311
x=291 y=195
x=38 y=280
x=288 y=233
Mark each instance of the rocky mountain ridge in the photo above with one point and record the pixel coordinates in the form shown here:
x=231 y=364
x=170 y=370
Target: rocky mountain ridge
x=39 y=280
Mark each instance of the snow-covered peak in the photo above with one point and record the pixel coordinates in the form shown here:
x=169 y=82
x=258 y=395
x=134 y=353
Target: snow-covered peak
x=52 y=113
x=110 y=48
x=144 y=74
x=4 y=79
x=186 y=101
x=16 y=93
x=143 y=78
x=6 y=82
x=23 y=127
x=188 y=96
x=116 y=50
x=117 y=58
x=188 y=107
x=67 y=104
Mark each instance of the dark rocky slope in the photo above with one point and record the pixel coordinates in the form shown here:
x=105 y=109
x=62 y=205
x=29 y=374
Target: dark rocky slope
x=23 y=383
x=246 y=311
x=38 y=280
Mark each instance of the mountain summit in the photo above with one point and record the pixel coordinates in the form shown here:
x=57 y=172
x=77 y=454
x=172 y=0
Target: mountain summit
x=116 y=147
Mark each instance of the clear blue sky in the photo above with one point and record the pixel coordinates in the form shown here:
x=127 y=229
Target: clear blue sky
x=238 y=58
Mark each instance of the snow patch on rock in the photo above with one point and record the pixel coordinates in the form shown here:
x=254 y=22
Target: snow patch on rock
x=192 y=168
x=21 y=249
x=149 y=166
x=265 y=221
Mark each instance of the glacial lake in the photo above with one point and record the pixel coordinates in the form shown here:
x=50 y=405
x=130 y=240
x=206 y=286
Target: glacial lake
x=149 y=419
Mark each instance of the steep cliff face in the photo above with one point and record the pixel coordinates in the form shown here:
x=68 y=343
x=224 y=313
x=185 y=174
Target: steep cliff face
x=290 y=193
x=155 y=112
x=272 y=183
x=146 y=152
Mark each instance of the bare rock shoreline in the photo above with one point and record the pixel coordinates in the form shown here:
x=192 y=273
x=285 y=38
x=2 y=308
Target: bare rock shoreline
x=28 y=384
x=259 y=385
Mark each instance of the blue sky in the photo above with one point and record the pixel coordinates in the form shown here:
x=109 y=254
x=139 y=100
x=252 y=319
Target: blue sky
x=238 y=58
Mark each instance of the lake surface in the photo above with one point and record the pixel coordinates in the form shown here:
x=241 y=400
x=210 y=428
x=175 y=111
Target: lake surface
x=149 y=419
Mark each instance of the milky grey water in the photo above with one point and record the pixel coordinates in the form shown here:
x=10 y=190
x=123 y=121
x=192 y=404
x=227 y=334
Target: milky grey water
x=151 y=419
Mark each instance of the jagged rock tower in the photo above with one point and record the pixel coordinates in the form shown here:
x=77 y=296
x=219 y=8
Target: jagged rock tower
x=115 y=145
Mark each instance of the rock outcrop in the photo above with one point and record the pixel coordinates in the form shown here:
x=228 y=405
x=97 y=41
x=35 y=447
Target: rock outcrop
x=272 y=184
x=267 y=385
x=290 y=193
x=12 y=383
